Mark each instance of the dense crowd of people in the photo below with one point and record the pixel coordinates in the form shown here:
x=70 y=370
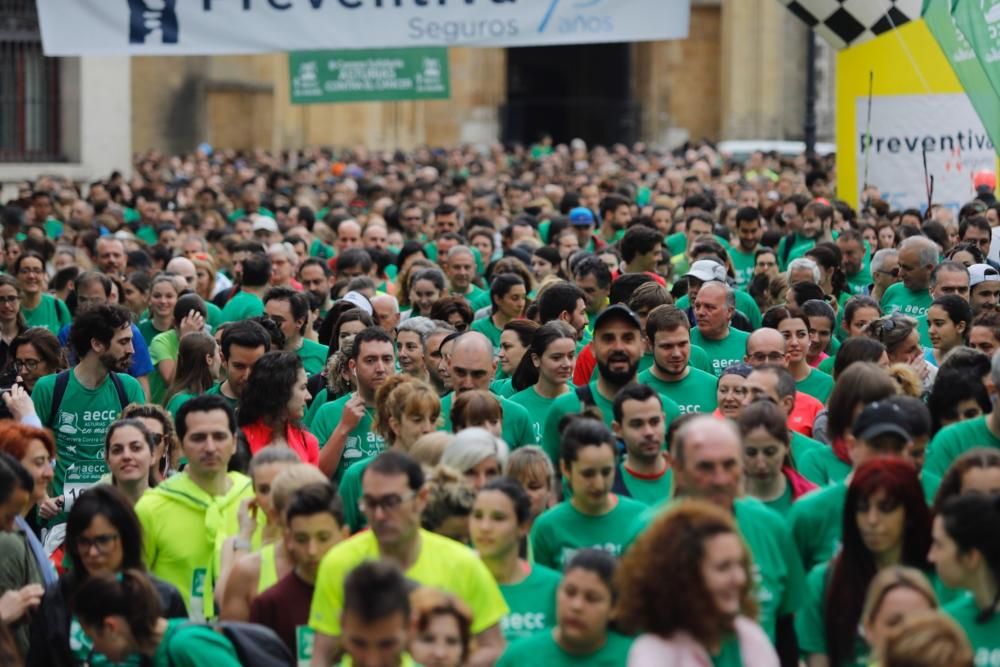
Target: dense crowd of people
x=554 y=405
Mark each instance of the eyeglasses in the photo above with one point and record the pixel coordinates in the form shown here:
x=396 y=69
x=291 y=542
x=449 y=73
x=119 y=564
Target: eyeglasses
x=761 y=357
x=102 y=542
x=389 y=503
x=9 y=299
x=30 y=270
x=891 y=272
x=26 y=364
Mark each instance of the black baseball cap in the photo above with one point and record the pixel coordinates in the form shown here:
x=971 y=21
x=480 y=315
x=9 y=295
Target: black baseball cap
x=617 y=312
x=880 y=418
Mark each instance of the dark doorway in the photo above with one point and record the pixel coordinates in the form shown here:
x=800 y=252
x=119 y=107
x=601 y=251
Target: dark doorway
x=570 y=91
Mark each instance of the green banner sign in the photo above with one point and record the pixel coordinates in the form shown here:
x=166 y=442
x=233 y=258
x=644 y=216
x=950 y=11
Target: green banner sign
x=376 y=75
x=960 y=54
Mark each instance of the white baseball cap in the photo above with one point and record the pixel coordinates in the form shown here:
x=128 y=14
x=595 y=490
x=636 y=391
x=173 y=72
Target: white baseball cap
x=982 y=273
x=707 y=270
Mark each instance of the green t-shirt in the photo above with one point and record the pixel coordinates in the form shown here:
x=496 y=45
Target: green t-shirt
x=815 y=521
x=216 y=389
x=744 y=303
x=485 y=326
x=313 y=356
x=810 y=622
x=559 y=532
x=187 y=644
x=827 y=364
x=800 y=246
x=800 y=445
x=504 y=387
x=177 y=400
x=725 y=352
x=778 y=574
x=817 y=384
x=729 y=653
x=148 y=331
x=350 y=493
x=697 y=360
x=532 y=603
x=743 y=263
x=647 y=490
x=955 y=439
x=898 y=298
x=476 y=296
x=242 y=306
x=50 y=313
x=537 y=407
x=984 y=637
x=569 y=403
x=214 y=318
x=695 y=393
x=783 y=503
x=319 y=400
x=166 y=346
x=240 y=213
x=542 y=649
x=517 y=430
x=362 y=442
x=822 y=467
x=442 y=563
x=79 y=427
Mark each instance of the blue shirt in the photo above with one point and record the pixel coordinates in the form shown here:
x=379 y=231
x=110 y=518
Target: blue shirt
x=141 y=363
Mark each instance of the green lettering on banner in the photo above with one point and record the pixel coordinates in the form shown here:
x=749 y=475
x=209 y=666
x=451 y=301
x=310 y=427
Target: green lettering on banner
x=370 y=75
x=945 y=27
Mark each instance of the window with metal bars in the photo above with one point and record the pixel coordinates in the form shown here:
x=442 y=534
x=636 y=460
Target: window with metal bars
x=30 y=115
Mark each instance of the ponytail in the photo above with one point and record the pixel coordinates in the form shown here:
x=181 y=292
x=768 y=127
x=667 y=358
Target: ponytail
x=129 y=594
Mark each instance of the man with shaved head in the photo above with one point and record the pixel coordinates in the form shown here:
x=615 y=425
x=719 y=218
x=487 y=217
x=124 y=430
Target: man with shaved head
x=472 y=367
x=707 y=460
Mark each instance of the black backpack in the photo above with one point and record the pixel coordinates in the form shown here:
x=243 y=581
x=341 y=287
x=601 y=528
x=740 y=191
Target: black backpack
x=62 y=381
x=254 y=644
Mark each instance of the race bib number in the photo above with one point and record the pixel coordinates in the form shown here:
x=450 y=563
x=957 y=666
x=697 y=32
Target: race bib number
x=79 y=478
x=197 y=605
x=305 y=638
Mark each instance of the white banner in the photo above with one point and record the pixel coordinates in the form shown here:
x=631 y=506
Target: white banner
x=190 y=27
x=902 y=128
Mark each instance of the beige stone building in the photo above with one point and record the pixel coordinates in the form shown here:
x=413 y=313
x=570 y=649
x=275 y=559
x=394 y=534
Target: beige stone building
x=739 y=75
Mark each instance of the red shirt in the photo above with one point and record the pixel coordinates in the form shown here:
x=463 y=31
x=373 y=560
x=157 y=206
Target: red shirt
x=804 y=413
x=302 y=442
x=585 y=363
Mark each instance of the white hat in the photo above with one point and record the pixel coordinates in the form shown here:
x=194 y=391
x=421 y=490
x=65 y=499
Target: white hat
x=982 y=273
x=359 y=300
x=264 y=224
x=707 y=270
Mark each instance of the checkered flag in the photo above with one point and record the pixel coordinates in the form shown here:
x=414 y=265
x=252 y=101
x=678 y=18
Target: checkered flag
x=844 y=23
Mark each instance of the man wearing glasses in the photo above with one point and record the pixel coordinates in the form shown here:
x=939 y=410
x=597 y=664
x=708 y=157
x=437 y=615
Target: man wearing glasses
x=885 y=272
x=393 y=497
x=766 y=348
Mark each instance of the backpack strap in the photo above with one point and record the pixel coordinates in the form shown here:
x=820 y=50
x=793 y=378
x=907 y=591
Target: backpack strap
x=119 y=389
x=58 y=391
x=618 y=486
x=586 y=395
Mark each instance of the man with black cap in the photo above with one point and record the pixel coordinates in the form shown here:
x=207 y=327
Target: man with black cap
x=881 y=430
x=618 y=346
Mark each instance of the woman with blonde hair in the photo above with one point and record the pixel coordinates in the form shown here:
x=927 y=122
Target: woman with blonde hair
x=450 y=498
x=686 y=585
x=477 y=454
x=894 y=594
x=407 y=409
x=928 y=639
x=205 y=268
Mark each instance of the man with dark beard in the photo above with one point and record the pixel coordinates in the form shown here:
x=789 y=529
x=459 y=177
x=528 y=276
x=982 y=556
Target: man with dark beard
x=81 y=403
x=618 y=347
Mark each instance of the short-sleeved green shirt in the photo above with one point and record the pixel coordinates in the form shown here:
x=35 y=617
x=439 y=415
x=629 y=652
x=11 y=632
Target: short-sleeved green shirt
x=743 y=264
x=542 y=649
x=362 y=442
x=313 y=356
x=955 y=439
x=537 y=407
x=165 y=346
x=984 y=637
x=148 y=331
x=50 y=313
x=485 y=326
x=517 y=430
x=724 y=352
x=744 y=303
x=532 y=603
x=810 y=622
x=694 y=393
x=816 y=520
x=651 y=490
x=800 y=246
x=821 y=466
x=559 y=532
x=243 y=306
x=817 y=384
x=899 y=298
